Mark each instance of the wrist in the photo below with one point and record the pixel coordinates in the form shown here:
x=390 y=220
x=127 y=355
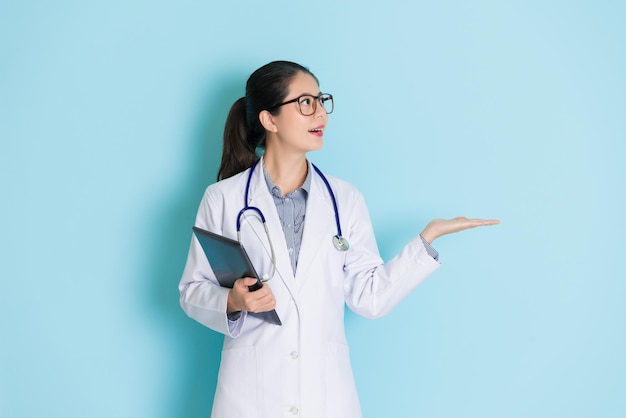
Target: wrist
x=231 y=305
x=428 y=235
x=431 y=232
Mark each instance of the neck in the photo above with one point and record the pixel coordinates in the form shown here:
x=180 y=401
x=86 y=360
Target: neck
x=288 y=174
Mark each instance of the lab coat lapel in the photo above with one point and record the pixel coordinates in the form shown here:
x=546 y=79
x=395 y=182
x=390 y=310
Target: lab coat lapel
x=318 y=226
x=260 y=197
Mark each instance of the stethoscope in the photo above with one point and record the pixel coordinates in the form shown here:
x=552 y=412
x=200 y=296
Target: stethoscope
x=339 y=241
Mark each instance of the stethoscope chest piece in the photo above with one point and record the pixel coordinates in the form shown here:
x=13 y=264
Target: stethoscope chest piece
x=340 y=243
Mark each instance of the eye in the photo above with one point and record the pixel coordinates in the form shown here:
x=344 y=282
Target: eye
x=305 y=101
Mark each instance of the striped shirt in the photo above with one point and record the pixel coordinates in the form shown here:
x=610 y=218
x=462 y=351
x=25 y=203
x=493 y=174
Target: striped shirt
x=291 y=210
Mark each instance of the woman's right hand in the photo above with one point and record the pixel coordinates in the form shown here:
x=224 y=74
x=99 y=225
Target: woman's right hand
x=240 y=298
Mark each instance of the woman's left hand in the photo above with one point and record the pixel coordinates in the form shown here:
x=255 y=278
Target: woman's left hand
x=439 y=227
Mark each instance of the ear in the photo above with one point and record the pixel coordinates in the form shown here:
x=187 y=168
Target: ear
x=267 y=120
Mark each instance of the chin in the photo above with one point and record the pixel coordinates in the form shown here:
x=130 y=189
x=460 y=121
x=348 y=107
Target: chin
x=318 y=144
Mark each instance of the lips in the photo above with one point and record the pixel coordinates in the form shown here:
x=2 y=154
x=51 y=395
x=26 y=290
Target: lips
x=318 y=131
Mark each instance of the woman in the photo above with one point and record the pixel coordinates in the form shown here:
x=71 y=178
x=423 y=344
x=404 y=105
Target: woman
x=301 y=368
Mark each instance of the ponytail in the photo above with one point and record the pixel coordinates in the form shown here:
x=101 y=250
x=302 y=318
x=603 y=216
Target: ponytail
x=266 y=88
x=238 y=153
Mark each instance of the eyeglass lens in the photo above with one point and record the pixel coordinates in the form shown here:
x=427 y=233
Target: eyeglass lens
x=308 y=104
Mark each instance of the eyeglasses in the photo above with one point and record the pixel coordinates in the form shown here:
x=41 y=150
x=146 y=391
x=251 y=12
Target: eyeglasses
x=307 y=103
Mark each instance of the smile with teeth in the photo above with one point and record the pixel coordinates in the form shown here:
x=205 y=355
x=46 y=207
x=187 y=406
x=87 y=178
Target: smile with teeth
x=319 y=131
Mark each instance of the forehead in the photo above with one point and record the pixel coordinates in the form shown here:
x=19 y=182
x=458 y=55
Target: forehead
x=303 y=83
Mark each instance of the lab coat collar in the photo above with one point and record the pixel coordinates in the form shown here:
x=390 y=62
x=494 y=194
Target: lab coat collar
x=318 y=221
x=260 y=197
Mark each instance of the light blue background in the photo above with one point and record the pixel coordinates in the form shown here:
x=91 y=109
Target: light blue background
x=111 y=114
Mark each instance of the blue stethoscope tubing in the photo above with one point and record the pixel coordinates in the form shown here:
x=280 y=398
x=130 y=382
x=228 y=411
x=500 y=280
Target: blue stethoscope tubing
x=339 y=242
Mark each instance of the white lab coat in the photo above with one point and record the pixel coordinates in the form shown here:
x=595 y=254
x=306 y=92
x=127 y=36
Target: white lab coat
x=302 y=368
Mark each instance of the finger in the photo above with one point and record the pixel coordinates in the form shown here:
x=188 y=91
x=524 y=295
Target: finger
x=241 y=285
x=261 y=305
x=257 y=297
x=249 y=281
x=463 y=219
x=485 y=221
x=268 y=304
x=268 y=301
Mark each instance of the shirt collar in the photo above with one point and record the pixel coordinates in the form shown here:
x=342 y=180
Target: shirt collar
x=275 y=190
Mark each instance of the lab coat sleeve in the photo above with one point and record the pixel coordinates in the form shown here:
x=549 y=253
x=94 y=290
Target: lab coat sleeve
x=201 y=297
x=373 y=288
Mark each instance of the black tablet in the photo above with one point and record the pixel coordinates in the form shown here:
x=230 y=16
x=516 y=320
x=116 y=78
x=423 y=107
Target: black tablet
x=229 y=262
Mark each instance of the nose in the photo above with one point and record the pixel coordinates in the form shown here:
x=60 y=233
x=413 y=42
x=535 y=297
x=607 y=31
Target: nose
x=320 y=110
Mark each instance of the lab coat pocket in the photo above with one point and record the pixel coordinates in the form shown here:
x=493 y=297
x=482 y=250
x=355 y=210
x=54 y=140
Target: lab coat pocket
x=237 y=387
x=341 y=396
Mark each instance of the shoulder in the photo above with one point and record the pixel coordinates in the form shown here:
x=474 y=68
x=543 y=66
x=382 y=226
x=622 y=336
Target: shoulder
x=341 y=184
x=219 y=196
x=226 y=188
x=343 y=190
x=218 y=201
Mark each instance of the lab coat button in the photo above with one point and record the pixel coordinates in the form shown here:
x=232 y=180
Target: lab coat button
x=293 y=355
x=294 y=410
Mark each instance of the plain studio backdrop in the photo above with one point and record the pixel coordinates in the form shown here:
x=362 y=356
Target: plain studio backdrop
x=111 y=116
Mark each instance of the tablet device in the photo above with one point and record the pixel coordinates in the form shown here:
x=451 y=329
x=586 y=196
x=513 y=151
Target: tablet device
x=229 y=262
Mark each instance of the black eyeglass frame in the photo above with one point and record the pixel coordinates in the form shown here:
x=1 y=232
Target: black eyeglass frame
x=321 y=98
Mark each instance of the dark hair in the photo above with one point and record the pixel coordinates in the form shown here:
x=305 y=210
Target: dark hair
x=266 y=88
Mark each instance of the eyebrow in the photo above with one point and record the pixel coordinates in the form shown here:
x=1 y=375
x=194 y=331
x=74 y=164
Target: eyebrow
x=309 y=94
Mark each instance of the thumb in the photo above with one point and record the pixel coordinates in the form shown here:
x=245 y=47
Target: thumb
x=248 y=281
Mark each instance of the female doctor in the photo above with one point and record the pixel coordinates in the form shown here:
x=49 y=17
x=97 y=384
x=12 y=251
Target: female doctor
x=319 y=251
